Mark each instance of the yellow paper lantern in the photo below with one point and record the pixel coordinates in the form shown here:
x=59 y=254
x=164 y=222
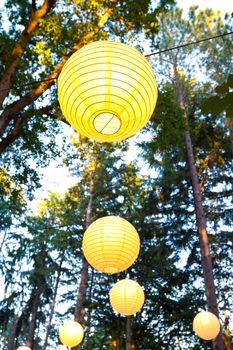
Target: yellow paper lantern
x=23 y=347
x=107 y=91
x=71 y=333
x=127 y=297
x=111 y=244
x=206 y=325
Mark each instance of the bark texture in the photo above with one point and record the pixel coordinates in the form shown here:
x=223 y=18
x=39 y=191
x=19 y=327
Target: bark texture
x=128 y=333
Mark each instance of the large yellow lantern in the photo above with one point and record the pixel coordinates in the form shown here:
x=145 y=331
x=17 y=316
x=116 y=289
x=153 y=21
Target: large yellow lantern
x=206 y=325
x=107 y=91
x=127 y=297
x=111 y=244
x=23 y=347
x=71 y=333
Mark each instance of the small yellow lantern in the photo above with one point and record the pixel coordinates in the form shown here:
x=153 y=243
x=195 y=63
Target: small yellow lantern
x=107 y=91
x=23 y=347
x=127 y=297
x=71 y=333
x=111 y=244
x=206 y=325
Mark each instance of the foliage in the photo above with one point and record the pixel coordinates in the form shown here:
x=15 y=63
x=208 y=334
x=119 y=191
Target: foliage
x=44 y=249
x=222 y=100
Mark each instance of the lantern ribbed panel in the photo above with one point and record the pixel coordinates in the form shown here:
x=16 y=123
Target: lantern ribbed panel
x=111 y=244
x=206 y=325
x=71 y=333
x=107 y=91
x=127 y=297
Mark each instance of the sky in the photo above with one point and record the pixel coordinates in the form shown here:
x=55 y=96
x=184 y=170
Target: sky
x=222 y=5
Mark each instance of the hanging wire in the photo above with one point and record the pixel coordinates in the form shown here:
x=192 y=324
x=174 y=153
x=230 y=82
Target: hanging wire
x=188 y=44
x=28 y=84
x=148 y=55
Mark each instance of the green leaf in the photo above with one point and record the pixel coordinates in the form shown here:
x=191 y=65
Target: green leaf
x=230 y=80
x=228 y=99
x=222 y=89
x=229 y=112
x=213 y=105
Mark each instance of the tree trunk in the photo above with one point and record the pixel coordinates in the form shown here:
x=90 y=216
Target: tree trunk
x=88 y=328
x=79 y=312
x=207 y=267
x=35 y=306
x=229 y=123
x=53 y=303
x=18 y=323
x=128 y=333
x=11 y=340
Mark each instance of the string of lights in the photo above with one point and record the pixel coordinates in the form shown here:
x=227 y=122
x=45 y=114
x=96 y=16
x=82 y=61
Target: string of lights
x=147 y=55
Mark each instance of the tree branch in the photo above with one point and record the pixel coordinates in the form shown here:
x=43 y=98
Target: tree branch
x=16 y=107
x=15 y=132
x=34 y=5
x=21 y=44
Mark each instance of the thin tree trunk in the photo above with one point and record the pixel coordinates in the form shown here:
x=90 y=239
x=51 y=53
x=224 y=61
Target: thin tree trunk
x=35 y=306
x=88 y=328
x=128 y=333
x=18 y=323
x=3 y=240
x=118 y=334
x=79 y=312
x=207 y=267
x=229 y=123
x=11 y=340
x=53 y=303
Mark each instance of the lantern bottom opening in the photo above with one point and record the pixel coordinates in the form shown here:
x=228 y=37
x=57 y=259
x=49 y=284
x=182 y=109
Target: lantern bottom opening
x=107 y=123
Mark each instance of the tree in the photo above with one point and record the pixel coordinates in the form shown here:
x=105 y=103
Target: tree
x=174 y=27
x=220 y=102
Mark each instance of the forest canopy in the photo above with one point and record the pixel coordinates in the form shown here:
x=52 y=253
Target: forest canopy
x=172 y=181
